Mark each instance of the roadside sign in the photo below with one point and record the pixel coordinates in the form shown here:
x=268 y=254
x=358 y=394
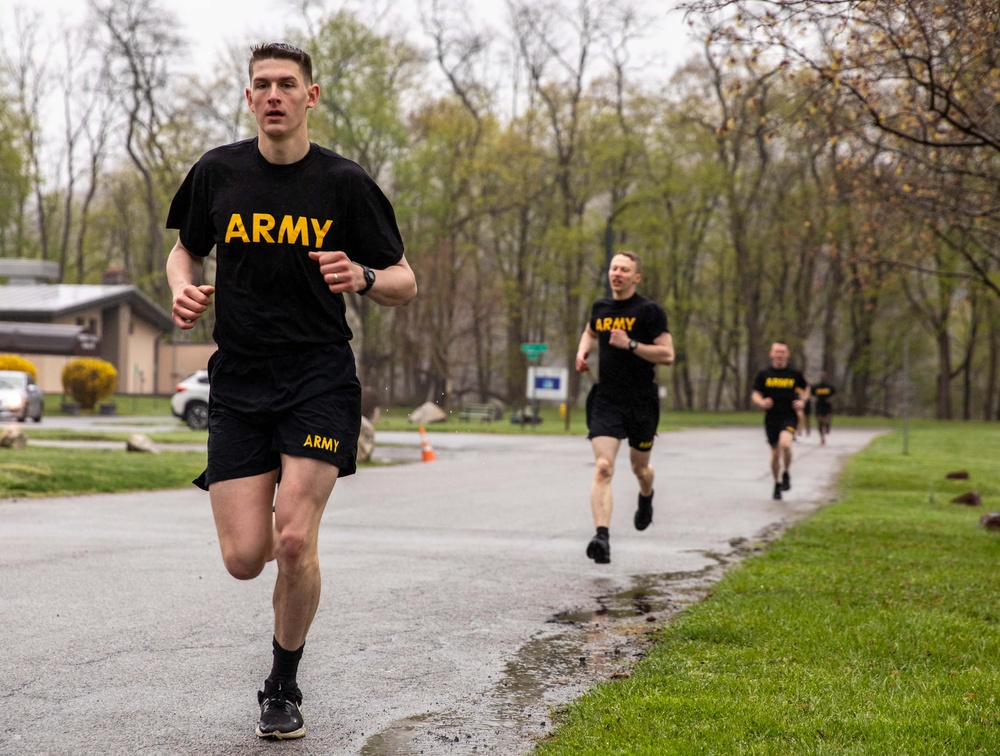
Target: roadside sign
x=534 y=351
x=548 y=383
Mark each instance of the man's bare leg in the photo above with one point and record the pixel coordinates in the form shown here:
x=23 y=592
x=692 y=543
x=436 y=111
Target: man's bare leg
x=244 y=523
x=776 y=462
x=785 y=448
x=306 y=485
x=256 y=526
x=605 y=450
x=644 y=475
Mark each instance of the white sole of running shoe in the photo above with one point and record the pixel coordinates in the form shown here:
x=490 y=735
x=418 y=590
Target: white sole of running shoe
x=282 y=735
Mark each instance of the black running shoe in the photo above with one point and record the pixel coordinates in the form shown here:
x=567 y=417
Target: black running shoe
x=599 y=549
x=644 y=513
x=280 y=717
x=786 y=481
x=777 y=491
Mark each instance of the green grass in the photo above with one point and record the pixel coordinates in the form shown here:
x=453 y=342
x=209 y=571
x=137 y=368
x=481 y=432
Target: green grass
x=871 y=628
x=125 y=404
x=183 y=435
x=396 y=419
x=37 y=472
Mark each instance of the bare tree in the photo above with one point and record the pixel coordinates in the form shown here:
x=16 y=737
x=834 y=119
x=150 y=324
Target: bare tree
x=922 y=72
x=138 y=42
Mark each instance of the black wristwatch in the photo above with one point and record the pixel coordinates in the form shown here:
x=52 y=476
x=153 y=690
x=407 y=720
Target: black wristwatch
x=369 y=279
x=632 y=345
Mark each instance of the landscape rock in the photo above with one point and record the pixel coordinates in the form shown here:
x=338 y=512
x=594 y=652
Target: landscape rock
x=971 y=499
x=427 y=413
x=13 y=437
x=139 y=442
x=366 y=440
x=958 y=475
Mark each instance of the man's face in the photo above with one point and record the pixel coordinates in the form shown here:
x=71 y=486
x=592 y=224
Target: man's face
x=279 y=97
x=779 y=356
x=622 y=275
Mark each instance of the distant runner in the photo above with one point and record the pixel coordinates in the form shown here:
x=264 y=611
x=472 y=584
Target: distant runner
x=781 y=392
x=823 y=391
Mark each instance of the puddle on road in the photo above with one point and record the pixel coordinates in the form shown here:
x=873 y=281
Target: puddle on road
x=575 y=650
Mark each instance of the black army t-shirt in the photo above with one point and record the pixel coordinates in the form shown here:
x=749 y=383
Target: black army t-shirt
x=620 y=370
x=823 y=393
x=264 y=219
x=783 y=386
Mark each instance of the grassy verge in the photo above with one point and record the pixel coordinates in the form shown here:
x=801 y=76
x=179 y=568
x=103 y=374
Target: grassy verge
x=38 y=472
x=871 y=628
x=125 y=404
x=555 y=424
x=182 y=435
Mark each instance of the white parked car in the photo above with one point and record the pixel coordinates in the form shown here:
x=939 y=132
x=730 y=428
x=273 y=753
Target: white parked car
x=190 y=403
x=20 y=396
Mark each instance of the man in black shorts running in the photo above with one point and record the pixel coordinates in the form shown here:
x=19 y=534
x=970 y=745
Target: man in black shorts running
x=781 y=391
x=295 y=227
x=633 y=338
x=823 y=391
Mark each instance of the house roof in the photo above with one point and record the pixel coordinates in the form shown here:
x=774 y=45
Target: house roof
x=47 y=338
x=42 y=303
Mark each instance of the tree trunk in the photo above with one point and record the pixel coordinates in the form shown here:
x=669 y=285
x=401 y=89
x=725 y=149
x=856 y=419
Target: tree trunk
x=944 y=376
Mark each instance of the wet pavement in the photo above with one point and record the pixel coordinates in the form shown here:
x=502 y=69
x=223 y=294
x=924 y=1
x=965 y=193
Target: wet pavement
x=458 y=608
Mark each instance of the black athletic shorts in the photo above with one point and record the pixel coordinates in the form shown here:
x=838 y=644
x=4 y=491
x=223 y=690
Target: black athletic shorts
x=634 y=417
x=304 y=405
x=824 y=409
x=774 y=424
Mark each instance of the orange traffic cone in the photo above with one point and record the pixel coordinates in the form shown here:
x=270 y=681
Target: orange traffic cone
x=426 y=450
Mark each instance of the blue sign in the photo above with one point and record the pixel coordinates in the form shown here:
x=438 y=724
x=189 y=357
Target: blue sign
x=548 y=383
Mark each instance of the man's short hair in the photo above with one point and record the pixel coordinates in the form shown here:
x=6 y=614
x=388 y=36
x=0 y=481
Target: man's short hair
x=283 y=51
x=633 y=257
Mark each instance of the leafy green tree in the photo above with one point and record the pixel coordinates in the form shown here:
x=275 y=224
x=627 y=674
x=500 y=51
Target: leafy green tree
x=14 y=182
x=365 y=77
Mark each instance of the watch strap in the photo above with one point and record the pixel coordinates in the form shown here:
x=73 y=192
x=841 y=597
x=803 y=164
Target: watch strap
x=369 y=279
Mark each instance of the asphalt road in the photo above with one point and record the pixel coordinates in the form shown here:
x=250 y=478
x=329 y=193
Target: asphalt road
x=458 y=603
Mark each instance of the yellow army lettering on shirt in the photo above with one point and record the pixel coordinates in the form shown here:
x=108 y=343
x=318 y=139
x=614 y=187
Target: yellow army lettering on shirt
x=779 y=383
x=322 y=442
x=610 y=324
x=291 y=230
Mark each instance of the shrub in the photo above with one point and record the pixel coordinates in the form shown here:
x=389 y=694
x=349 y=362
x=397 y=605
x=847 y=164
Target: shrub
x=89 y=380
x=13 y=362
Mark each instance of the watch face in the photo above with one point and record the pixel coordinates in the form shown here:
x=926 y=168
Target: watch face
x=369 y=279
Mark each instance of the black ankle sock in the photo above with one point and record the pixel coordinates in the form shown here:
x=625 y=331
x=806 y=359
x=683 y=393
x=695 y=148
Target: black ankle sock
x=603 y=532
x=286 y=663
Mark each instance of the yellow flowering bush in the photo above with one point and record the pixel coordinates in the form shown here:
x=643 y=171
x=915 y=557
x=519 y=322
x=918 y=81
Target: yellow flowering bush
x=14 y=362
x=89 y=380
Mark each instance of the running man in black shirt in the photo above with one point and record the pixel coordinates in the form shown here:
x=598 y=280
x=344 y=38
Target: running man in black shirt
x=633 y=338
x=823 y=391
x=295 y=228
x=781 y=391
